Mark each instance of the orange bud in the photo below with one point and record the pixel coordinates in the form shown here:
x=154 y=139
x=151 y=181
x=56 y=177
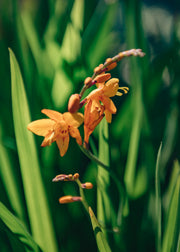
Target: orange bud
x=108 y=60
x=111 y=66
x=87 y=185
x=69 y=199
x=73 y=104
x=88 y=81
x=70 y=177
x=102 y=78
x=76 y=176
x=97 y=70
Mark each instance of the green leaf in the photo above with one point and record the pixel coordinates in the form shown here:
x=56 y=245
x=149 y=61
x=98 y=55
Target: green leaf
x=71 y=44
x=132 y=179
x=158 y=200
x=98 y=37
x=103 y=177
x=172 y=227
x=62 y=87
x=8 y=177
x=99 y=235
x=37 y=206
x=14 y=228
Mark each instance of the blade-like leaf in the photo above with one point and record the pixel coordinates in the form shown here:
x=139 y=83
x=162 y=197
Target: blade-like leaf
x=158 y=201
x=172 y=227
x=14 y=227
x=37 y=206
x=133 y=186
x=104 y=208
x=99 y=235
x=7 y=173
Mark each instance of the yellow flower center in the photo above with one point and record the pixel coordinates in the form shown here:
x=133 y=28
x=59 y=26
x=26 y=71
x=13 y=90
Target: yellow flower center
x=61 y=129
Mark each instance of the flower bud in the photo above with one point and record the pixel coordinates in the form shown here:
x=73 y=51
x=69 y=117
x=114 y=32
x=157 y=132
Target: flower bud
x=69 y=199
x=109 y=61
x=70 y=177
x=76 y=176
x=98 y=69
x=87 y=185
x=111 y=66
x=60 y=177
x=88 y=81
x=102 y=78
x=73 y=104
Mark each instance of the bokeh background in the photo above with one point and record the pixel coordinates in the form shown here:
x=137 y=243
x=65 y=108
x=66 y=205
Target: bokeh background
x=57 y=45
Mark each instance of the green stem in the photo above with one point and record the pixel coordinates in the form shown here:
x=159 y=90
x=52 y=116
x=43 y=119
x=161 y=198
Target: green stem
x=107 y=168
x=84 y=202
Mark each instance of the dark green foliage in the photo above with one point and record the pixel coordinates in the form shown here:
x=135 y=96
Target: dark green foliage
x=57 y=45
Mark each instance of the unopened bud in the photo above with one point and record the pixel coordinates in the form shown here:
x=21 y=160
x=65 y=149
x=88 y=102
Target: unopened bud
x=70 y=177
x=88 y=81
x=98 y=69
x=76 y=176
x=109 y=61
x=102 y=78
x=87 y=185
x=60 y=177
x=111 y=66
x=73 y=104
x=69 y=199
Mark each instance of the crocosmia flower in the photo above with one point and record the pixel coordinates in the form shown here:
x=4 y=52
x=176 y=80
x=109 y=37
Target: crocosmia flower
x=58 y=128
x=93 y=114
x=103 y=93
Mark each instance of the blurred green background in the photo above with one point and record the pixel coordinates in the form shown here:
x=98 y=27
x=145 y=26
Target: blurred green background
x=57 y=45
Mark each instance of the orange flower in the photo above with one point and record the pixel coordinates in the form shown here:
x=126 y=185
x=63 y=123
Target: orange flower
x=93 y=114
x=103 y=92
x=58 y=128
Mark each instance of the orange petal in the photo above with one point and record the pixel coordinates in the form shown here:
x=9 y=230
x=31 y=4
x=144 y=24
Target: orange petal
x=49 y=138
x=87 y=133
x=41 y=127
x=95 y=93
x=54 y=115
x=75 y=119
x=109 y=104
x=63 y=143
x=108 y=116
x=111 y=87
x=74 y=132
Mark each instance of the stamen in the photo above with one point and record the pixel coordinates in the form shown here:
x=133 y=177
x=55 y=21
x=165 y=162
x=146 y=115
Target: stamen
x=124 y=89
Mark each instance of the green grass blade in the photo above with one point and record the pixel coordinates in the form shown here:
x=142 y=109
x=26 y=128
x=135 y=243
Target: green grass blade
x=105 y=213
x=133 y=19
x=39 y=216
x=99 y=235
x=98 y=36
x=9 y=180
x=15 y=228
x=172 y=227
x=103 y=177
x=71 y=44
x=158 y=200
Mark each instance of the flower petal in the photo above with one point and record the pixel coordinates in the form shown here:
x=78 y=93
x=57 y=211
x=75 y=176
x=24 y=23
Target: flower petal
x=54 y=115
x=111 y=87
x=75 y=119
x=109 y=104
x=93 y=114
x=108 y=116
x=49 y=138
x=41 y=127
x=74 y=132
x=63 y=143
